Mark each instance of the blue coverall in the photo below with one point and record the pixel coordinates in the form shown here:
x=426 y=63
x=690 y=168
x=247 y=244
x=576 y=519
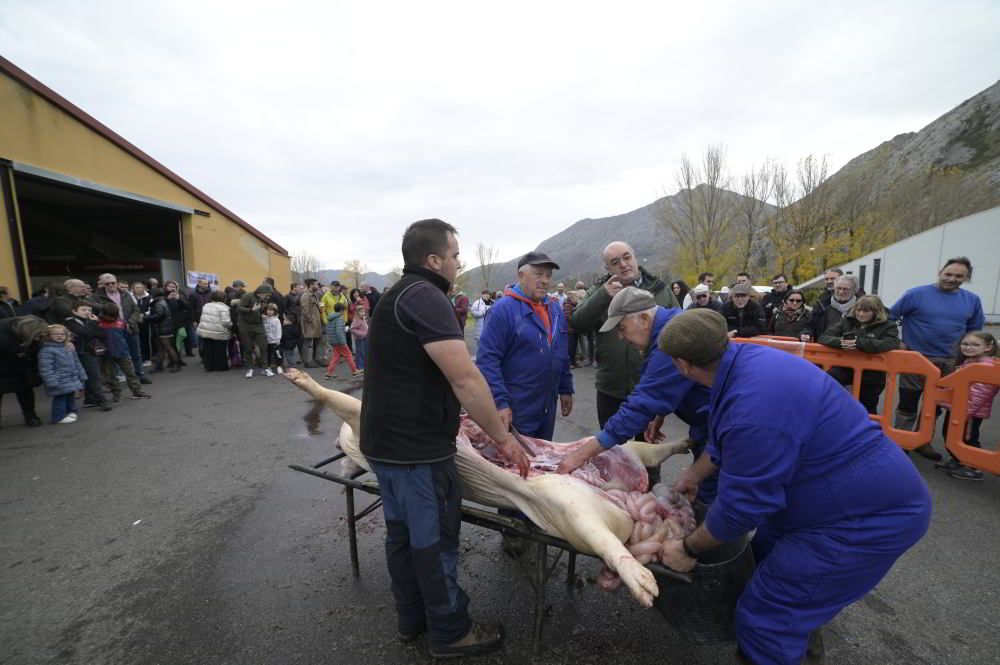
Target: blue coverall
x=834 y=501
x=662 y=390
x=525 y=365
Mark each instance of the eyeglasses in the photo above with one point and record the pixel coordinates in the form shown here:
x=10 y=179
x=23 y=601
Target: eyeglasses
x=795 y=300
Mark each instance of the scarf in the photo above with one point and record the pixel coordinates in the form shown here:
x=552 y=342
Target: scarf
x=844 y=307
x=540 y=308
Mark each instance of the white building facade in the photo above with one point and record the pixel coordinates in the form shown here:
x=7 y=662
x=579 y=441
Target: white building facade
x=890 y=271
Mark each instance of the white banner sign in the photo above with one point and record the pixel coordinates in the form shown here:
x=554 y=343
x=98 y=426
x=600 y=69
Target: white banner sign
x=193 y=277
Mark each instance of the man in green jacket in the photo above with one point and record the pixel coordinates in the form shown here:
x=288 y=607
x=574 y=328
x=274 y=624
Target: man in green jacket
x=618 y=361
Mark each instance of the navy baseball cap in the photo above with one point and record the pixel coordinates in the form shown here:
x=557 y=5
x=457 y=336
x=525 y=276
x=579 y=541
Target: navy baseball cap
x=536 y=259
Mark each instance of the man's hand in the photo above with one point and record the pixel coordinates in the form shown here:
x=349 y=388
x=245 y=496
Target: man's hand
x=513 y=453
x=566 y=404
x=653 y=433
x=673 y=556
x=848 y=344
x=612 y=286
x=687 y=484
x=505 y=417
x=579 y=457
x=805 y=337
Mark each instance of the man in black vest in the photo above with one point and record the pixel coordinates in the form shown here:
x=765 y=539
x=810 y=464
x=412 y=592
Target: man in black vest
x=418 y=374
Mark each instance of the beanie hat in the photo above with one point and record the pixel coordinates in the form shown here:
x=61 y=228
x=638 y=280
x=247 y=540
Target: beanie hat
x=698 y=336
x=264 y=288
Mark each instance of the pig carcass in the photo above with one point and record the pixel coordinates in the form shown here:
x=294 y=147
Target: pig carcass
x=602 y=509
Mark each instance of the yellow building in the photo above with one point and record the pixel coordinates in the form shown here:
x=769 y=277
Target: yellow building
x=79 y=200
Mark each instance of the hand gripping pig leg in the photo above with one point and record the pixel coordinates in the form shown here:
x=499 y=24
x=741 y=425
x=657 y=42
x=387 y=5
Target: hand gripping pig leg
x=346 y=407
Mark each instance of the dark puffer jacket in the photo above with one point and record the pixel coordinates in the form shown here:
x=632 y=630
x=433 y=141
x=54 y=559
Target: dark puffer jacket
x=872 y=338
x=747 y=322
x=161 y=323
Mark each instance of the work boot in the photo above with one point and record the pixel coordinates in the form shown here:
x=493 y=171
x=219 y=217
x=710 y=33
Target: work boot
x=815 y=650
x=927 y=450
x=481 y=638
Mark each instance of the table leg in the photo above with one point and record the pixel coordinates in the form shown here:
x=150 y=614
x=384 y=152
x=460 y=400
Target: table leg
x=352 y=531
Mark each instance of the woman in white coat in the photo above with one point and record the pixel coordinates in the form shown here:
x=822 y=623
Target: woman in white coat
x=478 y=311
x=215 y=329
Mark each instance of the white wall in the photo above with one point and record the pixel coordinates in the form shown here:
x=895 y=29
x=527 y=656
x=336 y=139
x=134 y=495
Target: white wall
x=917 y=259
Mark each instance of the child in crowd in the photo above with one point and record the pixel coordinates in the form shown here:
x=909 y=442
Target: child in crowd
x=359 y=330
x=976 y=347
x=272 y=331
x=291 y=338
x=89 y=342
x=61 y=372
x=116 y=355
x=337 y=337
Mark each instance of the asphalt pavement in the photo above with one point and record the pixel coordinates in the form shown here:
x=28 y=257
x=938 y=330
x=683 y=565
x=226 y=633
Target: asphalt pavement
x=172 y=531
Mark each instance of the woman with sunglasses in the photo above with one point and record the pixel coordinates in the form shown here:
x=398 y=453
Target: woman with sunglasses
x=791 y=318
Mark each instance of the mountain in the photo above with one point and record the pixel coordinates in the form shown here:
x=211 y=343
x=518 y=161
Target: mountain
x=373 y=278
x=577 y=249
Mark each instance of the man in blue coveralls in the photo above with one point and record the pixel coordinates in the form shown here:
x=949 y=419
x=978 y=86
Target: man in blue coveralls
x=661 y=390
x=523 y=356
x=833 y=500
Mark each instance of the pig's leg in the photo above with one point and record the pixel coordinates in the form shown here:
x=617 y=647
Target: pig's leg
x=346 y=407
x=653 y=454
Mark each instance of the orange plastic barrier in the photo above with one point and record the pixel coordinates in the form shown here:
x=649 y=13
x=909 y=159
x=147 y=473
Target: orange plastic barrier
x=952 y=390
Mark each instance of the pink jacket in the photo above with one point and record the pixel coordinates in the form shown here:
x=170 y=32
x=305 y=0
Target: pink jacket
x=359 y=328
x=981 y=395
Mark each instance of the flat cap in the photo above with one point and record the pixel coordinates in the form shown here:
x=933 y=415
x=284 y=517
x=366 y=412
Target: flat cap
x=536 y=259
x=239 y=282
x=741 y=290
x=627 y=301
x=698 y=336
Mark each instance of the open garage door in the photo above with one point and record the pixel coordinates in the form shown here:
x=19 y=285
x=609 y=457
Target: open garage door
x=75 y=230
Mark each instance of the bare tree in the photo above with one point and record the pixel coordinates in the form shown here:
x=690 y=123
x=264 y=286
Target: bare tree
x=353 y=269
x=703 y=220
x=304 y=265
x=487 y=256
x=755 y=188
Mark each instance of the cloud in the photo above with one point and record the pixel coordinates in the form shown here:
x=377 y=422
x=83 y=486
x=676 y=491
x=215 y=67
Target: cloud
x=330 y=127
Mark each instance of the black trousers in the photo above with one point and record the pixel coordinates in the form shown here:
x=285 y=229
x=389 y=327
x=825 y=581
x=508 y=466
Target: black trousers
x=608 y=406
x=26 y=399
x=571 y=342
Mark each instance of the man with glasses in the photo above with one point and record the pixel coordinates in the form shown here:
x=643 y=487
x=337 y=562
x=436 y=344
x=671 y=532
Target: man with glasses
x=828 y=313
x=773 y=301
x=708 y=280
x=702 y=299
x=744 y=317
x=108 y=291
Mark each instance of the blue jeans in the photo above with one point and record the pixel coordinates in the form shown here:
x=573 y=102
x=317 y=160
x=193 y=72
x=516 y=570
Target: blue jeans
x=133 y=352
x=422 y=504
x=62 y=405
x=360 y=352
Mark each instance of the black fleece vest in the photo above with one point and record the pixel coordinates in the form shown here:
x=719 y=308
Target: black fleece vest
x=409 y=413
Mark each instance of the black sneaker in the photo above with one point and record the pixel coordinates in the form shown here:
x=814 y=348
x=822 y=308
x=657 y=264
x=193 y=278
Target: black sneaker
x=481 y=638
x=950 y=465
x=144 y=381
x=104 y=406
x=32 y=420
x=141 y=395
x=90 y=405
x=965 y=473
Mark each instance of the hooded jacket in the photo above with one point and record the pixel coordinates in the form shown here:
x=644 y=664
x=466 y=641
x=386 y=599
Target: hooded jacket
x=618 y=361
x=523 y=356
x=159 y=318
x=60 y=369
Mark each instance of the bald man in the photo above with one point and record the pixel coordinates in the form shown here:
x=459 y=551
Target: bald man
x=618 y=361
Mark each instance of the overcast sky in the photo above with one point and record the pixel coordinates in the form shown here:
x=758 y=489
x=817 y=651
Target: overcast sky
x=330 y=126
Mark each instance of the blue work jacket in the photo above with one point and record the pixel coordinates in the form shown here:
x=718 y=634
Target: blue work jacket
x=526 y=367
x=661 y=390
x=788 y=440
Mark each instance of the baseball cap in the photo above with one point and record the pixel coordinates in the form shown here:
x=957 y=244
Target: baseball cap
x=536 y=259
x=239 y=282
x=701 y=288
x=627 y=301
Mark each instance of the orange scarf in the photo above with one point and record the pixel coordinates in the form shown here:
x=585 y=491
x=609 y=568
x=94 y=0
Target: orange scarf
x=540 y=308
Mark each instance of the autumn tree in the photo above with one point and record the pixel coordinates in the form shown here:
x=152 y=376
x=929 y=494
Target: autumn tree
x=304 y=265
x=701 y=215
x=487 y=256
x=755 y=188
x=353 y=270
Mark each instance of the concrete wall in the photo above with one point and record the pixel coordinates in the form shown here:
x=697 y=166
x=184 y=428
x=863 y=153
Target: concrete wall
x=36 y=132
x=917 y=259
